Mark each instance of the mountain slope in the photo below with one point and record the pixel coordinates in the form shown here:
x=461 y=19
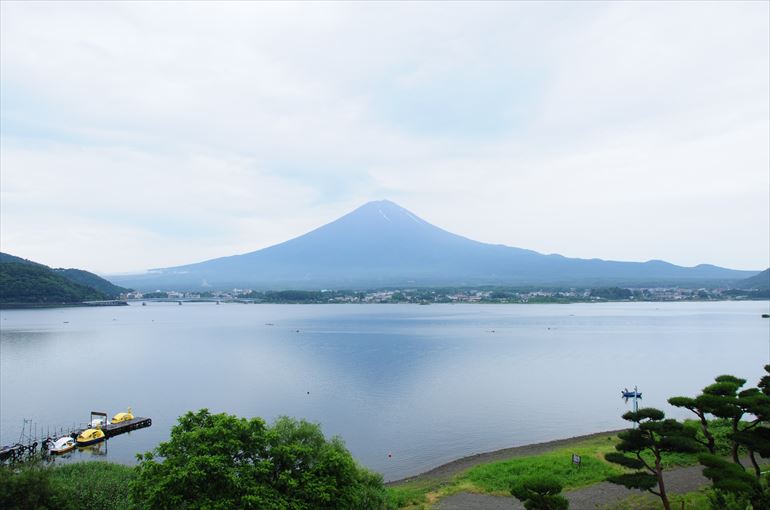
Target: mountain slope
x=25 y=281
x=383 y=244
x=7 y=257
x=91 y=280
x=760 y=281
x=35 y=283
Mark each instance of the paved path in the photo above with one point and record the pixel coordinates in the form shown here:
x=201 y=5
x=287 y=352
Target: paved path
x=589 y=498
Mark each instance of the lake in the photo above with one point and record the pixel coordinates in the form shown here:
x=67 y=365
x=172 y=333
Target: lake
x=423 y=384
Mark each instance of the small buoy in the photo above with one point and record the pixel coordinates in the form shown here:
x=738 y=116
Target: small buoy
x=308 y=393
x=297 y=331
x=390 y=455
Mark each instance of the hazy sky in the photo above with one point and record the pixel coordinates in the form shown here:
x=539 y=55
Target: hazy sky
x=138 y=135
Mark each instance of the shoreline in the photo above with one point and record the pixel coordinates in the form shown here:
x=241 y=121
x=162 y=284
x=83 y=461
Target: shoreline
x=80 y=304
x=452 y=468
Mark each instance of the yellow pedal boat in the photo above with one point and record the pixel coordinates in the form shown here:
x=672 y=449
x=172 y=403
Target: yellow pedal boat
x=121 y=417
x=90 y=436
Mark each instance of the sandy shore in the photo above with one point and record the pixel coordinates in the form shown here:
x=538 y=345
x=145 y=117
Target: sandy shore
x=450 y=469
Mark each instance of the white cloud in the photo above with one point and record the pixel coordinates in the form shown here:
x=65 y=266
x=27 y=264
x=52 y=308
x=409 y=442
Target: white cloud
x=141 y=135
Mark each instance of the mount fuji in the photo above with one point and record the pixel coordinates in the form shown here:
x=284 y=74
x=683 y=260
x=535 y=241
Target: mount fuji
x=381 y=244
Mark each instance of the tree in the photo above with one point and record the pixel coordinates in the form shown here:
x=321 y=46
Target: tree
x=699 y=407
x=653 y=436
x=723 y=399
x=540 y=493
x=753 y=436
x=219 y=461
x=729 y=477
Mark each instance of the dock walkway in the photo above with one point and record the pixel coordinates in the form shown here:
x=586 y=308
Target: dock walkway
x=115 y=429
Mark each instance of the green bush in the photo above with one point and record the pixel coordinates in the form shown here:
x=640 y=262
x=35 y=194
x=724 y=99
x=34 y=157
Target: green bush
x=29 y=486
x=81 y=486
x=219 y=461
x=95 y=485
x=539 y=493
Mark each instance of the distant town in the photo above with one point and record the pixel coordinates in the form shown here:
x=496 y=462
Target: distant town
x=456 y=295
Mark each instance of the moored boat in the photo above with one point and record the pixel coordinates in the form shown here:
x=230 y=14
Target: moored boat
x=62 y=445
x=90 y=436
x=121 y=417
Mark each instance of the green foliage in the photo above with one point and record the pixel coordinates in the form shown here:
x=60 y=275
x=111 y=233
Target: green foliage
x=8 y=258
x=726 y=400
x=654 y=436
x=720 y=430
x=37 y=284
x=726 y=475
x=93 y=281
x=729 y=478
x=405 y=496
x=155 y=295
x=613 y=293
x=28 y=487
x=628 y=462
x=721 y=500
x=218 y=461
x=638 y=480
x=95 y=485
x=497 y=476
x=539 y=493
x=81 y=486
x=294 y=296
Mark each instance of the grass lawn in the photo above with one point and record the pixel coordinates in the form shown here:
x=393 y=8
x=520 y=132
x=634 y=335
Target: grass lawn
x=496 y=477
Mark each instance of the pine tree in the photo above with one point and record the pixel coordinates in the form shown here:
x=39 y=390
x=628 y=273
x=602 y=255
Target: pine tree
x=754 y=436
x=653 y=436
x=540 y=493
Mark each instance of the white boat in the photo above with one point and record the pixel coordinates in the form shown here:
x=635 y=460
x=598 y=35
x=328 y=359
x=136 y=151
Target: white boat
x=62 y=445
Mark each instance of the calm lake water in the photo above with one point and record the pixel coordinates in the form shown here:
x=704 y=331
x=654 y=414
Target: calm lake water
x=426 y=384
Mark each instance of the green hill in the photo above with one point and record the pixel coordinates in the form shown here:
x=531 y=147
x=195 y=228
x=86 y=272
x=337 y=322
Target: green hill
x=91 y=280
x=7 y=257
x=23 y=281
x=37 y=284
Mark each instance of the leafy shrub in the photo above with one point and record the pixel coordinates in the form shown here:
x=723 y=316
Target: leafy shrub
x=219 y=461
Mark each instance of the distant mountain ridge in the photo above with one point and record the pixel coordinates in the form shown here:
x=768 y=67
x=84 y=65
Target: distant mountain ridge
x=25 y=281
x=759 y=282
x=381 y=244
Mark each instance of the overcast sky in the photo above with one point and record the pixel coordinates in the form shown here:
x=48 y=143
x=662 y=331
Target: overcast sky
x=138 y=135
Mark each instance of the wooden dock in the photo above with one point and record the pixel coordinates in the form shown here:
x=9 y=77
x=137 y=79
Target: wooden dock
x=115 y=429
x=31 y=443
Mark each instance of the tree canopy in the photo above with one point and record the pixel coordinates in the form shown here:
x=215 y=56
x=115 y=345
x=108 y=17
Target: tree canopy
x=654 y=435
x=33 y=283
x=540 y=493
x=219 y=461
